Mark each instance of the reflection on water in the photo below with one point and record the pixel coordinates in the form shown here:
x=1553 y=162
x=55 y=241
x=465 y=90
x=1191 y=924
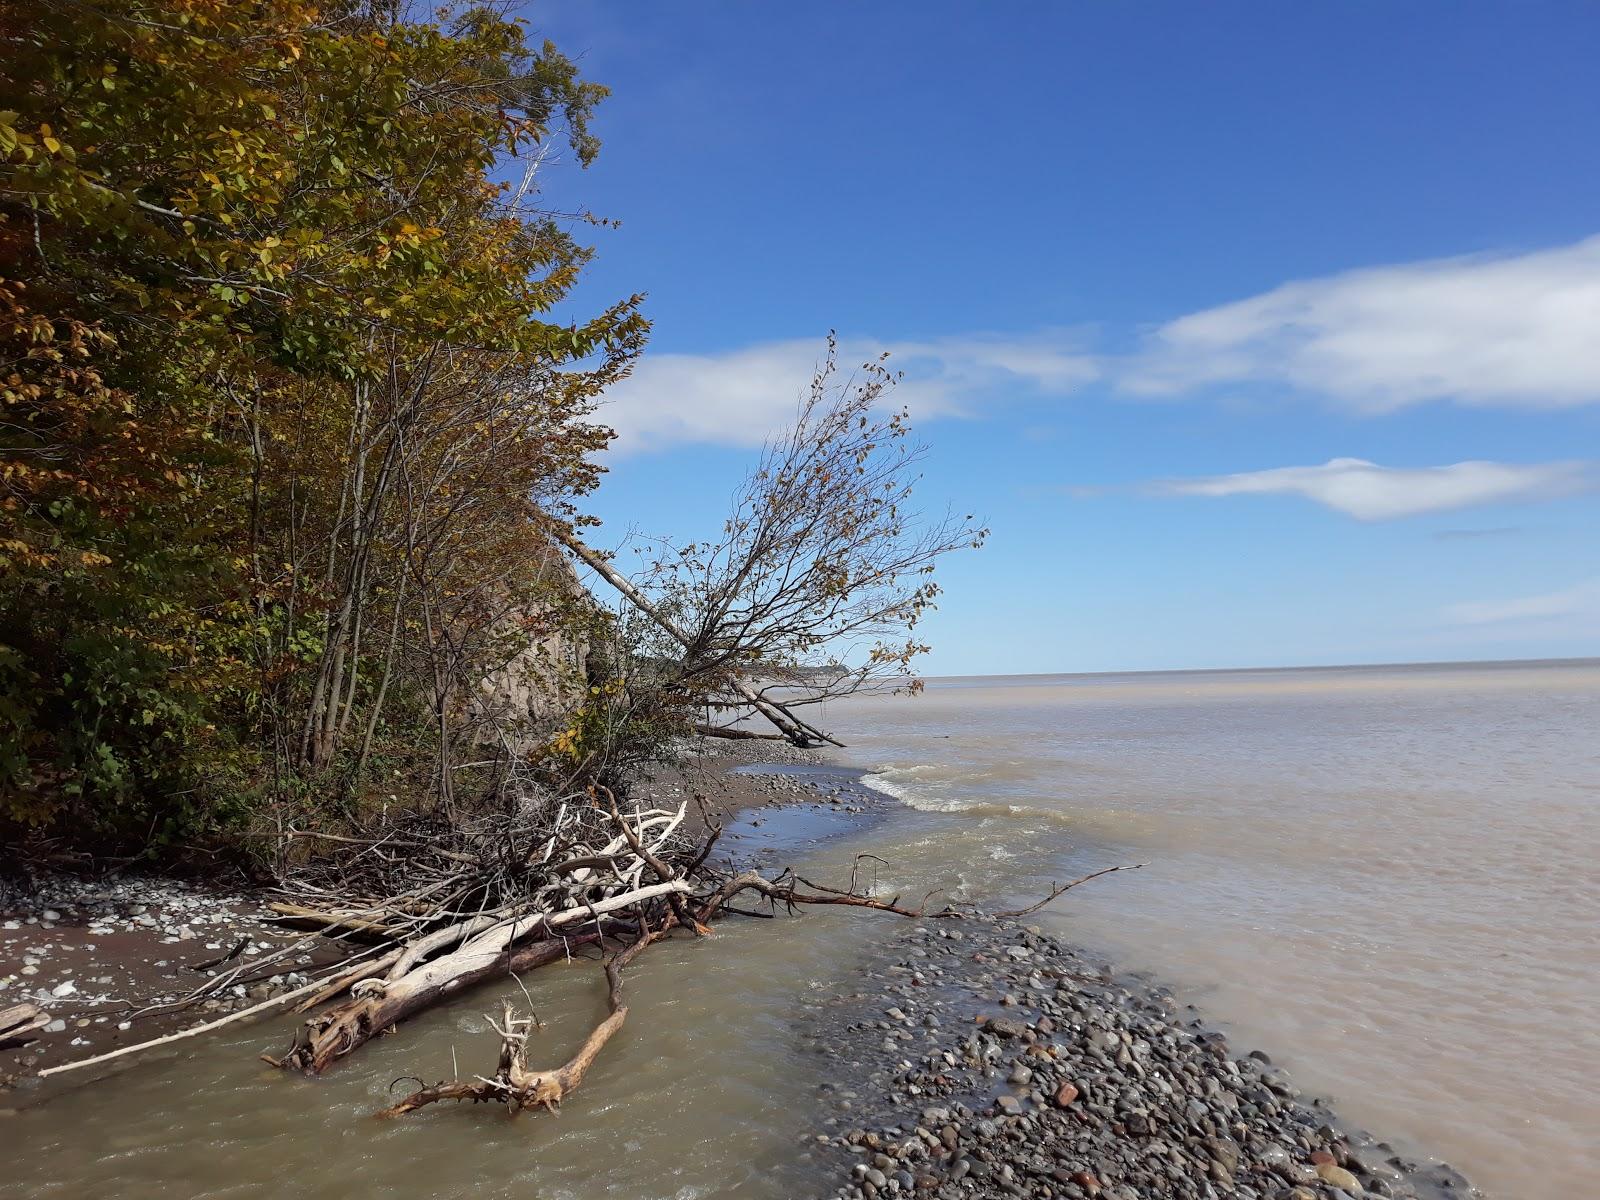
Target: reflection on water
x=1387 y=877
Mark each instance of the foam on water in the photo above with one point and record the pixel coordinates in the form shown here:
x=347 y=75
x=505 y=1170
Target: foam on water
x=932 y=789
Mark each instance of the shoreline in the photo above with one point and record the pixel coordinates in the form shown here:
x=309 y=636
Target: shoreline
x=95 y=951
x=986 y=1058
x=990 y=1059
x=978 y=1058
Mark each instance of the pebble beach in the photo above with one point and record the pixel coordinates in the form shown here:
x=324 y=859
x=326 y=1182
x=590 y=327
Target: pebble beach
x=971 y=1057
x=990 y=1060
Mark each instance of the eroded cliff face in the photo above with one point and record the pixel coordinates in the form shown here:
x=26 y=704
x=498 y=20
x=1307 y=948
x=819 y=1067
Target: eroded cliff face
x=543 y=680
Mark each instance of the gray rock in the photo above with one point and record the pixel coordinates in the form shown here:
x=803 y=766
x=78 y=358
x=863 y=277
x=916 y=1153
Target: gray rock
x=1338 y=1177
x=1223 y=1151
x=1005 y=1027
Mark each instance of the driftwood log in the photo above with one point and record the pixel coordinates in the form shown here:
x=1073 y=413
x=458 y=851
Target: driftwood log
x=462 y=906
x=629 y=878
x=376 y=1005
x=733 y=733
x=19 y=1024
x=513 y=1083
x=322 y=920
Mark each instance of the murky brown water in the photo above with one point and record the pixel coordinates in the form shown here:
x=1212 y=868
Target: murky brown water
x=706 y=1092
x=1388 y=878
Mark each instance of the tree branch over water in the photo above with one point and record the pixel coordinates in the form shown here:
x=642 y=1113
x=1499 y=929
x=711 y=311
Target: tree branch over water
x=822 y=572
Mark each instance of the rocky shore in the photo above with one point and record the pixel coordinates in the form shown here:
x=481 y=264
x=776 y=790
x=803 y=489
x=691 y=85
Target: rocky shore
x=986 y=1059
x=116 y=960
x=976 y=1058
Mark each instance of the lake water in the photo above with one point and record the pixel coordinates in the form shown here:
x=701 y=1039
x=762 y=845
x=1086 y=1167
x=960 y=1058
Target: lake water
x=1387 y=877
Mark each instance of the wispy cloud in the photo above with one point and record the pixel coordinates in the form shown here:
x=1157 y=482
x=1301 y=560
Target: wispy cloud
x=1515 y=331
x=739 y=397
x=1369 y=492
x=1581 y=601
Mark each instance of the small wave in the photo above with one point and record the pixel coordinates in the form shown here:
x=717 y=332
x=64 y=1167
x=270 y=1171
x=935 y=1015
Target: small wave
x=881 y=781
x=913 y=786
x=937 y=789
x=966 y=774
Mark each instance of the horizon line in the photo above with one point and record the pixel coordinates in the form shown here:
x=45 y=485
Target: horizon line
x=1361 y=666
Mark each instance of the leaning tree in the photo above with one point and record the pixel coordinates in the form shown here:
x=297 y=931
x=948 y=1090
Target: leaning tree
x=821 y=573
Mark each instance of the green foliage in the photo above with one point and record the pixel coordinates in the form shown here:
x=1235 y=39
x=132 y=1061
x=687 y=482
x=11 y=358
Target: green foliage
x=260 y=282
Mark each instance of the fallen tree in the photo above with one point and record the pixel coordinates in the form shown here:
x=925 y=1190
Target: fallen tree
x=603 y=874
x=820 y=564
x=492 y=902
x=518 y=1087
x=789 y=725
x=823 y=569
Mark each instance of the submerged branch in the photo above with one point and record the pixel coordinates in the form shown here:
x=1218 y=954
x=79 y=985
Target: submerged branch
x=1062 y=888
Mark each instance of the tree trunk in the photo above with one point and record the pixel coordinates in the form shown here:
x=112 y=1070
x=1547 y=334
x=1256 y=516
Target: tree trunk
x=377 y=1005
x=792 y=728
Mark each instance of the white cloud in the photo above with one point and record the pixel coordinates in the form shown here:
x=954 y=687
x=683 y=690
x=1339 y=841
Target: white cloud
x=1580 y=601
x=1517 y=331
x=738 y=397
x=1514 y=331
x=1369 y=492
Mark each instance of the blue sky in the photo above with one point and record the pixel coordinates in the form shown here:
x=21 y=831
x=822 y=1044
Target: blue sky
x=1260 y=334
